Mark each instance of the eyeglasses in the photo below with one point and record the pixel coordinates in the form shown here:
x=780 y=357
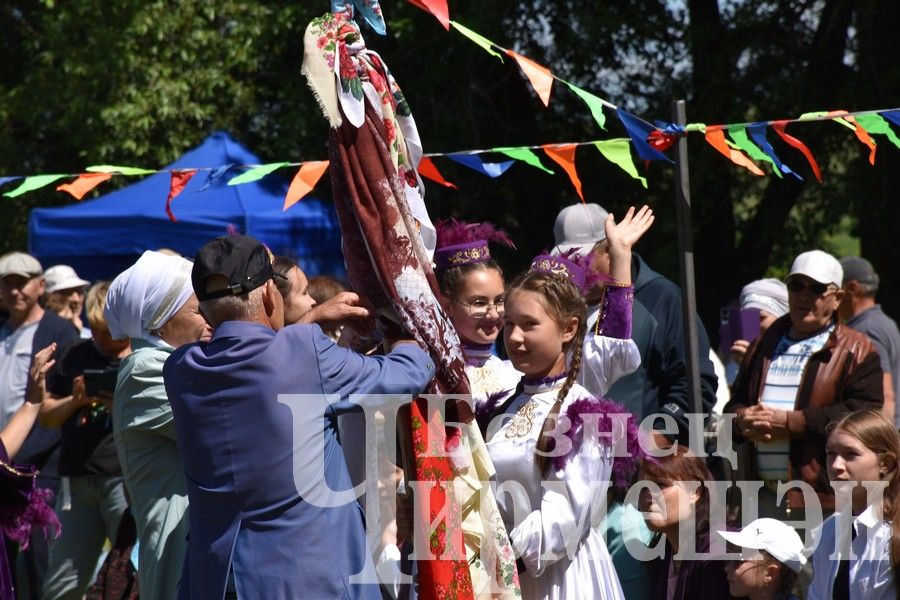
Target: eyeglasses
x=480 y=309
x=818 y=289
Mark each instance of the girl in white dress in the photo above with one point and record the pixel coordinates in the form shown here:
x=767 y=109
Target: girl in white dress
x=551 y=477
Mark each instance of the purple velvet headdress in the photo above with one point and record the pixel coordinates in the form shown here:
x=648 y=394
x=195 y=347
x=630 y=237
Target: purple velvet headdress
x=557 y=265
x=460 y=243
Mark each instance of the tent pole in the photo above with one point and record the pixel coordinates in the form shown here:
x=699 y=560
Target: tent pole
x=686 y=261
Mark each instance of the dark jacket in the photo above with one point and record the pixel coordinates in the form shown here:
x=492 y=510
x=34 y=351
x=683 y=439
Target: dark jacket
x=695 y=579
x=660 y=384
x=844 y=376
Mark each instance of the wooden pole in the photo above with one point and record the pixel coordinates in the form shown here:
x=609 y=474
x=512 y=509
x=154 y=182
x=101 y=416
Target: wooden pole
x=686 y=261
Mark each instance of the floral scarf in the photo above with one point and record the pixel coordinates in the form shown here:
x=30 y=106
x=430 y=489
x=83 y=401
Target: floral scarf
x=388 y=241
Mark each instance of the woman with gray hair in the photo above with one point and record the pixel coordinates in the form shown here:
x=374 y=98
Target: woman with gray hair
x=153 y=303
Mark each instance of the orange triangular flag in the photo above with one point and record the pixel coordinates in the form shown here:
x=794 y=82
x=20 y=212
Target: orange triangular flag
x=861 y=134
x=540 y=77
x=304 y=181
x=85 y=183
x=429 y=171
x=716 y=138
x=564 y=155
x=438 y=8
x=180 y=179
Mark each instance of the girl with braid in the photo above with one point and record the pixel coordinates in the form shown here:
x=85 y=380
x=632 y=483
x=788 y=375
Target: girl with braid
x=553 y=444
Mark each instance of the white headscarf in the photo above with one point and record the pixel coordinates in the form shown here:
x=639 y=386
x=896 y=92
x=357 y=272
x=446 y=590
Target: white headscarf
x=144 y=297
x=769 y=295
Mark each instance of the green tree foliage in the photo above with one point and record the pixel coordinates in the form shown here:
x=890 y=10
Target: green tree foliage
x=139 y=82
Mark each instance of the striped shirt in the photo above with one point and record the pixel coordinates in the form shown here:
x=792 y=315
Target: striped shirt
x=780 y=392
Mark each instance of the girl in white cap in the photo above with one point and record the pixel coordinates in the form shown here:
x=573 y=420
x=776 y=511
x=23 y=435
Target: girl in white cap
x=771 y=557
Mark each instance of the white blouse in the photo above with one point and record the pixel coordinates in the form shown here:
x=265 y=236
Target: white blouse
x=871 y=576
x=549 y=516
x=491 y=379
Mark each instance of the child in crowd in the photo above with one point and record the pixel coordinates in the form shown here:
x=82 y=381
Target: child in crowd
x=771 y=557
x=682 y=505
x=862 y=447
x=550 y=519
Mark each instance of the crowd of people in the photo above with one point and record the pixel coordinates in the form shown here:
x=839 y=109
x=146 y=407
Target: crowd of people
x=201 y=429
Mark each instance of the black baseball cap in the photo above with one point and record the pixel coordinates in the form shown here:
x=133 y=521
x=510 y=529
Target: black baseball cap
x=245 y=262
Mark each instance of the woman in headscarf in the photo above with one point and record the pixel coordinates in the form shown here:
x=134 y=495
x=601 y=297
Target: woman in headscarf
x=153 y=303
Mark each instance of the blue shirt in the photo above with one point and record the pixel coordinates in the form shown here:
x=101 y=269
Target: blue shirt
x=256 y=462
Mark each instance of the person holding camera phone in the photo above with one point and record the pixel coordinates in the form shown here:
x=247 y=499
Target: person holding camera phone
x=92 y=497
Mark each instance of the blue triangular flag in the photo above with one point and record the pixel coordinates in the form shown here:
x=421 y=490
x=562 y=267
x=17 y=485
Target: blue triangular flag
x=215 y=175
x=892 y=115
x=8 y=179
x=638 y=132
x=474 y=162
x=757 y=131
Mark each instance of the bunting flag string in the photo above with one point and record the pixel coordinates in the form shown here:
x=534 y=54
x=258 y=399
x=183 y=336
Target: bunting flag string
x=651 y=142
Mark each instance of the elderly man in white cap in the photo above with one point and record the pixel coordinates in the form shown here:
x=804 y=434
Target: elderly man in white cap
x=153 y=303
x=803 y=373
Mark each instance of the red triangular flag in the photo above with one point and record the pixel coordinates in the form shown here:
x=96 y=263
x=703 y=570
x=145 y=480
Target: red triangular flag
x=436 y=7
x=779 y=126
x=429 y=171
x=85 y=183
x=564 y=155
x=179 y=180
x=304 y=181
x=540 y=77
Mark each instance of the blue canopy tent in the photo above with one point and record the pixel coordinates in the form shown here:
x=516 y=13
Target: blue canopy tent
x=104 y=236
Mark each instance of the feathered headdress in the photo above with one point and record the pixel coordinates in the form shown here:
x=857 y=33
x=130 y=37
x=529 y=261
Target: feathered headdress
x=460 y=243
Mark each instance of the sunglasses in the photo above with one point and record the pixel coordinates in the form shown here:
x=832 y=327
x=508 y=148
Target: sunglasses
x=818 y=289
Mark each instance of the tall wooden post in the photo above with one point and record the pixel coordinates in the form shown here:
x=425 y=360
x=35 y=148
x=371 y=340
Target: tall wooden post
x=686 y=261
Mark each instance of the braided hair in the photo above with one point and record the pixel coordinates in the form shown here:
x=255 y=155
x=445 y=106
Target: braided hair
x=562 y=300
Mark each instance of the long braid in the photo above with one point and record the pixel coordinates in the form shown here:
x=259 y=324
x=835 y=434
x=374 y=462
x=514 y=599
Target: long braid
x=563 y=301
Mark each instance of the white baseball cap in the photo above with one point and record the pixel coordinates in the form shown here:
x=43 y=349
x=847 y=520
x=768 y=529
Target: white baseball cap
x=579 y=227
x=63 y=277
x=819 y=266
x=773 y=536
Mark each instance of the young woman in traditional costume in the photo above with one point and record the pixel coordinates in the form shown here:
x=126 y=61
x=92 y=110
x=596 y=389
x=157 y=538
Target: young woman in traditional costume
x=553 y=447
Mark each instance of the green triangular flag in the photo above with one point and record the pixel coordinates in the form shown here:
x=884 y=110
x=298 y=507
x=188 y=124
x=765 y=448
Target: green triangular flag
x=256 y=173
x=33 y=183
x=478 y=39
x=739 y=135
x=701 y=127
x=875 y=123
x=618 y=151
x=119 y=170
x=593 y=102
x=525 y=155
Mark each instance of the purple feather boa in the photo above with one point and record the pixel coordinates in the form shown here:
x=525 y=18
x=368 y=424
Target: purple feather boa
x=17 y=523
x=624 y=467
